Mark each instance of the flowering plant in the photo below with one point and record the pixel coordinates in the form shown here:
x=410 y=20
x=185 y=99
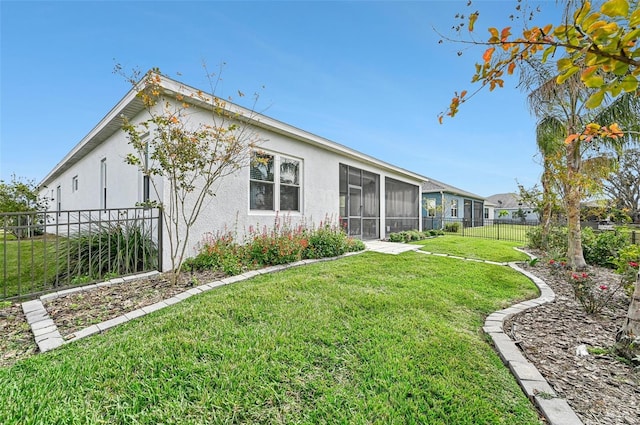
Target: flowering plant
x=557 y=266
x=592 y=296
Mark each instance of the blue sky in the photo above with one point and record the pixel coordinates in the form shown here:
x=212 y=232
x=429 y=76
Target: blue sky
x=369 y=75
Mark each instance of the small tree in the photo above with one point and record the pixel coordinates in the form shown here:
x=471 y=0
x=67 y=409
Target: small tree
x=188 y=157
x=21 y=195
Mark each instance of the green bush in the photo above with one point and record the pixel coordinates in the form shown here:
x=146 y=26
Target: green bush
x=279 y=245
x=452 y=227
x=116 y=249
x=396 y=237
x=326 y=241
x=555 y=244
x=601 y=249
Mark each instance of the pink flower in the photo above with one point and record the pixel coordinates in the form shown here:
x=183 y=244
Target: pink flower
x=584 y=275
x=575 y=276
x=552 y=261
x=633 y=264
x=562 y=263
x=604 y=287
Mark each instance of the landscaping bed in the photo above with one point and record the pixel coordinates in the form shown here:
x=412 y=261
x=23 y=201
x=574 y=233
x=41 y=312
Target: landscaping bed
x=601 y=388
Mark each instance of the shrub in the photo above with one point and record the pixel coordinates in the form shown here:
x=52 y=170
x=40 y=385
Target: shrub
x=396 y=237
x=601 y=249
x=220 y=252
x=555 y=243
x=280 y=245
x=115 y=249
x=592 y=297
x=452 y=227
x=627 y=264
x=325 y=241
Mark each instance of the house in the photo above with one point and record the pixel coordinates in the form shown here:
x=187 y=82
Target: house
x=313 y=179
x=443 y=203
x=509 y=207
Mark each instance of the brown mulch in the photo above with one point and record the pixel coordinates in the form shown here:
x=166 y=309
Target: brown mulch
x=599 y=387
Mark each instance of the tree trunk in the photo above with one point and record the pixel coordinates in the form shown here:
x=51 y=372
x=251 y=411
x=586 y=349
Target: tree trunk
x=628 y=339
x=573 y=196
x=547 y=205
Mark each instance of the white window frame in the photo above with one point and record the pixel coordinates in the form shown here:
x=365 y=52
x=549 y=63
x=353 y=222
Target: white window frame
x=486 y=213
x=430 y=206
x=454 y=208
x=74 y=184
x=277 y=161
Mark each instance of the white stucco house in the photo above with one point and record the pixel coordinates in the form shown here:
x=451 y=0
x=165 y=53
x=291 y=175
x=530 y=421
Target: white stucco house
x=314 y=178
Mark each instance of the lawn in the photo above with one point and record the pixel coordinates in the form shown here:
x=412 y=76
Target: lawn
x=23 y=268
x=371 y=338
x=477 y=248
x=498 y=231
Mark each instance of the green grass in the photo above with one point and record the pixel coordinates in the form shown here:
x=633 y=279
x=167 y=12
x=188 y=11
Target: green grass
x=510 y=232
x=24 y=265
x=477 y=248
x=370 y=338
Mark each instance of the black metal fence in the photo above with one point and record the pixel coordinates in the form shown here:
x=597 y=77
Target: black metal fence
x=508 y=230
x=52 y=250
x=501 y=229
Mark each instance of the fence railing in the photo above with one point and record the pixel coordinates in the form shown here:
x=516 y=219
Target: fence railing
x=500 y=229
x=505 y=229
x=51 y=250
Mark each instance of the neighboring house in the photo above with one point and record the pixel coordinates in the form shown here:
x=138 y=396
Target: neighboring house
x=314 y=180
x=440 y=200
x=509 y=207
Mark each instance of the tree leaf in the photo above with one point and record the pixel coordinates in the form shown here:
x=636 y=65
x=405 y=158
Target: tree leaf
x=629 y=83
x=614 y=8
x=568 y=73
x=488 y=53
x=593 y=80
x=595 y=99
x=472 y=20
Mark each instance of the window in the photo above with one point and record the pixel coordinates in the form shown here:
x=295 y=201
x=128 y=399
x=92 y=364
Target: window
x=145 y=188
x=430 y=205
x=103 y=183
x=59 y=199
x=486 y=213
x=454 y=208
x=74 y=184
x=274 y=183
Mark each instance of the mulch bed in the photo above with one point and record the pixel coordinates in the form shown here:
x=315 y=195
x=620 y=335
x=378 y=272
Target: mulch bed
x=599 y=387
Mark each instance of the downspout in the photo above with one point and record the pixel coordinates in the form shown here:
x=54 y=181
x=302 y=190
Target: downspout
x=442 y=210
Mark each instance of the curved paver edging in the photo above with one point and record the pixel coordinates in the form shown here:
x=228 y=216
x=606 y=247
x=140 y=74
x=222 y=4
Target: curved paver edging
x=556 y=410
x=48 y=337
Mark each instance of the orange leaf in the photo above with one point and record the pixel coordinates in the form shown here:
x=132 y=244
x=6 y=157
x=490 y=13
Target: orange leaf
x=487 y=55
x=506 y=32
x=512 y=66
x=570 y=138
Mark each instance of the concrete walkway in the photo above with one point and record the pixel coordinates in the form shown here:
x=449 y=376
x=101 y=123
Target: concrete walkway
x=393 y=248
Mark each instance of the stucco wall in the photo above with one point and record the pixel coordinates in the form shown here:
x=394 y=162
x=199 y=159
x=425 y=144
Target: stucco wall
x=229 y=209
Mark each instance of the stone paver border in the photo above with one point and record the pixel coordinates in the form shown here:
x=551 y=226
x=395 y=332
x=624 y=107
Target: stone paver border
x=48 y=337
x=555 y=409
